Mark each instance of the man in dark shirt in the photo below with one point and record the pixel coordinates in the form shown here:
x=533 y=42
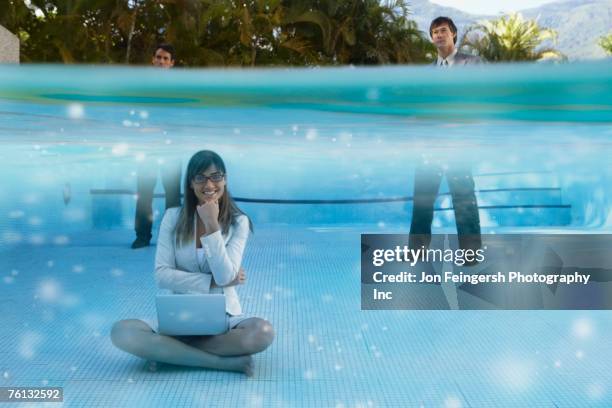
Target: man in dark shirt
x=428 y=175
x=147 y=172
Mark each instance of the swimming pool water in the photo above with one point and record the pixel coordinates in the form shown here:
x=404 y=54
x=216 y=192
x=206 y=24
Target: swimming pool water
x=315 y=157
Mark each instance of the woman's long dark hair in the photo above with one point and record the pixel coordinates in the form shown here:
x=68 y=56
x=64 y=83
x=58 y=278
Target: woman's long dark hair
x=228 y=210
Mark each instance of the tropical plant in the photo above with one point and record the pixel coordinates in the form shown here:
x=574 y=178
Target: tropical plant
x=606 y=43
x=357 y=32
x=511 y=38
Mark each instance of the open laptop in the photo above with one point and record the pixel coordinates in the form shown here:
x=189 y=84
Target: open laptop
x=191 y=314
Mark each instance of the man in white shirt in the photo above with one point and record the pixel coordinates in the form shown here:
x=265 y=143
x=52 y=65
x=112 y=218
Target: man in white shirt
x=428 y=175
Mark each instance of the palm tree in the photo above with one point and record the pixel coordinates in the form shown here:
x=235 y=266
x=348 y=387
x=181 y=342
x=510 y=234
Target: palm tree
x=606 y=43
x=511 y=38
x=355 y=32
x=66 y=30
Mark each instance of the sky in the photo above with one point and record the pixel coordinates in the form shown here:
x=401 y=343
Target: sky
x=491 y=7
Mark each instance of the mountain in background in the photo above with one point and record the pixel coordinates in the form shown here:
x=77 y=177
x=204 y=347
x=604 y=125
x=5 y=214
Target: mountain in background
x=578 y=23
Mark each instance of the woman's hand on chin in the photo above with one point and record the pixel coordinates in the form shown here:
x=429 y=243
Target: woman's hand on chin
x=209 y=214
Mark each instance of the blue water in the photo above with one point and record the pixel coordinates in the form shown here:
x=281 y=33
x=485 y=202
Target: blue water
x=537 y=138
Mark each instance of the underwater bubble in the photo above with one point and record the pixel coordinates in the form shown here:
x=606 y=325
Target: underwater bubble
x=312 y=134
x=268 y=296
x=74 y=214
x=61 y=240
x=120 y=149
x=185 y=316
x=514 y=373
x=116 y=272
x=582 y=328
x=452 y=402
x=30 y=198
x=595 y=391
x=8 y=280
x=6 y=375
x=143 y=114
x=337 y=367
x=35 y=221
x=579 y=354
x=16 y=214
x=49 y=290
x=311 y=338
x=345 y=137
x=28 y=344
x=69 y=300
x=37 y=239
x=256 y=400
x=309 y=374
x=140 y=156
x=75 y=111
x=78 y=268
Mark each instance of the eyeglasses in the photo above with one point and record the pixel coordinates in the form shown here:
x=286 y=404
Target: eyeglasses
x=215 y=178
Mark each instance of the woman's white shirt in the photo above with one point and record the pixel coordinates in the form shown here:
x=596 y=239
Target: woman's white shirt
x=180 y=269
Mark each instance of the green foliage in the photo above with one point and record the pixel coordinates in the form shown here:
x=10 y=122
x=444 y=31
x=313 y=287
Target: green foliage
x=606 y=43
x=511 y=38
x=218 y=32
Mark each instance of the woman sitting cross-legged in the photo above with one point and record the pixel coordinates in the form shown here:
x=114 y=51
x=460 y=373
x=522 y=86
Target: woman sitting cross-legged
x=199 y=249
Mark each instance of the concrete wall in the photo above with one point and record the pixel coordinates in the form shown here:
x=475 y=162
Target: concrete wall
x=9 y=47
